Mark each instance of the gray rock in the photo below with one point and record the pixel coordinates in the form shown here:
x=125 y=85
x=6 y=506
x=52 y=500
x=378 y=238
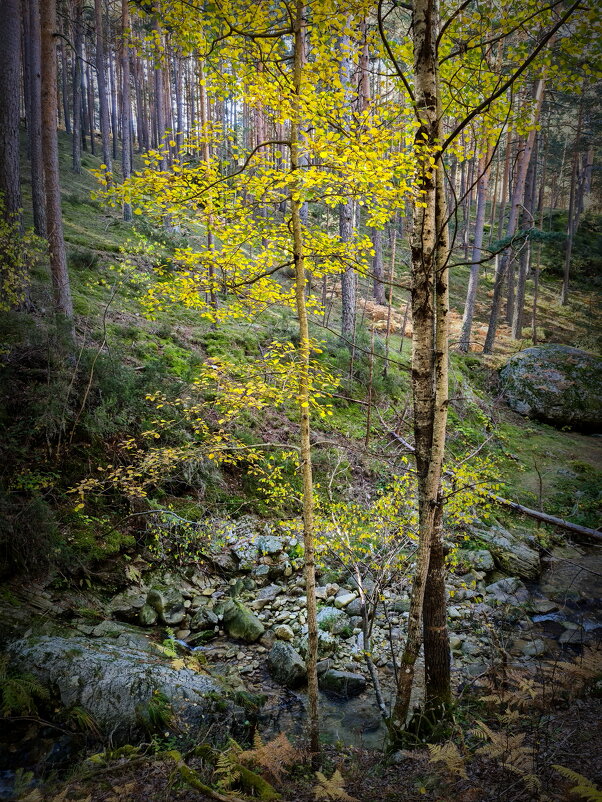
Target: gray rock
x=113 y=682
x=354 y=607
x=128 y=603
x=240 y=622
x=270 y=544
x=203 y=619
x=342 y=599
x=480 y=559
x=556 y=383
x=269 y=592
x=530 y=648
x=332 y=620
x=509 y=590
x=327 y=644
x=286 y=666
x=169 y=604
x=284 y=632
x=147 y=615
x=510 y=551
x=342 y=683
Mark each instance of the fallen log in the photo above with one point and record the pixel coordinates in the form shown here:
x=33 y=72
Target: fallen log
x=548 y=519
x=514 y=505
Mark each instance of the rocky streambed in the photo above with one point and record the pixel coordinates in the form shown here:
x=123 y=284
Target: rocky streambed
x=194 y=646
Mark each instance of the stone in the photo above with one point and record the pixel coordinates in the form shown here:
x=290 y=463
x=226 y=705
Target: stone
x=321 y=593
x=128 y=603
x=509 y=590
x=333 y=620
x=270 y=544
x=543 y=606
x=555 y=383
x=203 y=619
x=343 y=599
x=354 y=608
x=114 y=682
x=510 y=552
x=147 y=616
x=327 y=644
x=269 y=592
x=332 y=589
x=241 y=623
x=169 y=604
x=480 y=559
x=284 y=632
x=529 y=648
x=343 y=684
x=286 y=666
x=324 y=665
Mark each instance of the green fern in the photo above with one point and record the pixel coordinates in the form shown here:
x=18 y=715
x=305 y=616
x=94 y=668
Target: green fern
x=19 y=692
x=226 y=770
x=583 y=787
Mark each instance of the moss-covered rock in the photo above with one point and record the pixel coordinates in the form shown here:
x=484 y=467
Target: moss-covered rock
x=557 y=384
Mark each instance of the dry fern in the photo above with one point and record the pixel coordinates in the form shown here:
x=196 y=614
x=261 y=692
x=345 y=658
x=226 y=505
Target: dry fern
x=273 y=757
x=583 y=787
x=448 y=754
x=226 y=769
x=509 y=752
x=333 y=789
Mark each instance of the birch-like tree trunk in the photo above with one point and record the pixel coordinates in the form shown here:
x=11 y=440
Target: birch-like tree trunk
x=303 y=394
x=101 y=77
x=126 y=108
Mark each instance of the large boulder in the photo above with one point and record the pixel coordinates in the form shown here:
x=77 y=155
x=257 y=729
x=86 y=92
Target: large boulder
x=343 y=684
x=510 y=551
x=332 y=620
x=168 y=603
x=556 y=383
x=240 y=622
x=114 y=682
x=286 y=665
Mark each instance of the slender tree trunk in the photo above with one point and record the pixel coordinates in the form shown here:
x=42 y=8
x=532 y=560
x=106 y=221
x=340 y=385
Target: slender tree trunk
x=303 y=396
x=113 y=93
x=525 y=254
x=126 y=162
x=58 y=257
x=477 y=252
x=34 y=124
x=571 y=225
x=517 y=198
x=101 y=77
x=90 y=105
x=505 y=180
x=160 y=106
x=10 y=58
x=76 y=151
x=348 y=276
x=429 y=356
x=378 y=270
x=64 y=90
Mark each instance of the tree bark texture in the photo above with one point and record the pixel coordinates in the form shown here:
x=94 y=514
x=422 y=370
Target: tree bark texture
x=10 y=63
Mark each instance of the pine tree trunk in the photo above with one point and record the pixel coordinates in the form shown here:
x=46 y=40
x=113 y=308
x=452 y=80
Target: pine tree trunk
x=571 y=225
x=303 y=397
x=10 y=58
x=525 y=254
x=58 y=257
x=126 y=163
x=515 y=206
x=34 y=124
x=64 y=91
x=477 y=253
x=76 y=151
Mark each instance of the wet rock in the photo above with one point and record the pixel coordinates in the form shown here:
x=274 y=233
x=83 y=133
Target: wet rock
x=555 y=383
x=342 y=683
x=286 y=665
x=332 y=620
x=114 y=683
x=169 y=604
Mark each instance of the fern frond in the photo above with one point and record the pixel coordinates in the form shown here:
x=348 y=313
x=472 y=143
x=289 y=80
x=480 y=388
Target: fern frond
x=333 y=789
x=226 y=770
x=583 y=787
x=274 y=757
x=448 y=754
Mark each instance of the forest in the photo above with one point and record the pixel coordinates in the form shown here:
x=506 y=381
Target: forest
x=300 y=400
